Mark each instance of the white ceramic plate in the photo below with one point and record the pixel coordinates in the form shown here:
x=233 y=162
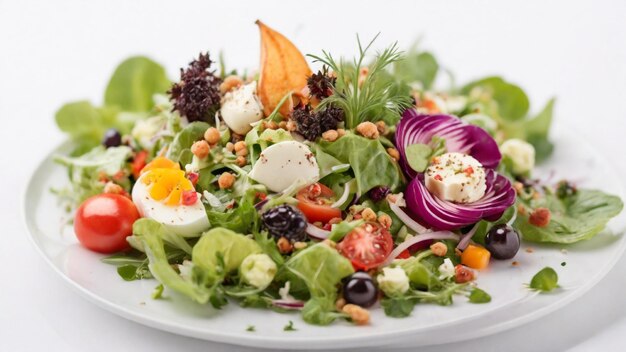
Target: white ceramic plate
x=512 y=303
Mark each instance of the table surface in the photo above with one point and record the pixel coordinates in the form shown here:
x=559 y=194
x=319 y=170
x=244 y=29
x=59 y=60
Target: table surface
x=52 y=52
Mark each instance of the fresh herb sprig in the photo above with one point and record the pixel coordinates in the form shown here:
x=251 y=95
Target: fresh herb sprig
x=363 y=97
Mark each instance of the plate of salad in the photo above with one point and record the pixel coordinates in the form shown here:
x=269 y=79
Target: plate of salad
x=360 y=203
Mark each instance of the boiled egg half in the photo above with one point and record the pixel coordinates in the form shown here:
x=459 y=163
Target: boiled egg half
x=164 y=194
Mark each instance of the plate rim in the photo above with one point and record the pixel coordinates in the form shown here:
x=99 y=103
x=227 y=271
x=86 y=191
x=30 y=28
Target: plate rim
x=265 y=342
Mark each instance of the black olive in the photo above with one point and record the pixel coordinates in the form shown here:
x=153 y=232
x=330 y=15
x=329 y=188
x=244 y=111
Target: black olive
x=502 y=241
x=112 y=138
x=378 y=193
x=285 y=221
x=359 y=289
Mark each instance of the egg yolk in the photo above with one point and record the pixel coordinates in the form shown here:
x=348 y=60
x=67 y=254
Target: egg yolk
x=165 y=181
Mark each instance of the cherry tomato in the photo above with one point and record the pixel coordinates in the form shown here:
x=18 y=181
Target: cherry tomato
x=367 y=246
x=139 y=162
x=404 y=254
x=103 y=222
x=315 y=200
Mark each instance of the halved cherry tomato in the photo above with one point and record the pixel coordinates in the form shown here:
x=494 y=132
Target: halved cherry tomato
x=103 y=222
x=367 y=246
x=139 y=162
x=315 y=200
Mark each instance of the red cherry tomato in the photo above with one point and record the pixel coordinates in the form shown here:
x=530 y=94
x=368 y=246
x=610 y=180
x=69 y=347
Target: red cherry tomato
x=103 y=222
x=367 y=246
x=315 y=200
x=404 y=254
x=139 y=162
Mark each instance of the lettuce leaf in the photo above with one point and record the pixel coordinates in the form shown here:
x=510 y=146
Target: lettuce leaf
x=232 y=247
x=318 y=270
x=574 y=217
x=180 y=149
x=85 y=171
x=162 y=270
x=134 y=83
x=365 y=155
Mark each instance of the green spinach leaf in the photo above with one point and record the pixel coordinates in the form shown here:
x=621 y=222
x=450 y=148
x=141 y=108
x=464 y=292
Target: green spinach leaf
x=417 y=67
x=134 y=83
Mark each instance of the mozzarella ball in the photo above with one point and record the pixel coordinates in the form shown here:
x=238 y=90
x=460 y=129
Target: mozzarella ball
x=241 y=107
x=282 y=164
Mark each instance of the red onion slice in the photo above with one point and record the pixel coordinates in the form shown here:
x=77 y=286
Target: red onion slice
x=316 y=232
x=344 y=195
x=437 y=235
x=287 y=304
x=466 y=238
x=460 y=137
x=445 y=215
x=404 y=217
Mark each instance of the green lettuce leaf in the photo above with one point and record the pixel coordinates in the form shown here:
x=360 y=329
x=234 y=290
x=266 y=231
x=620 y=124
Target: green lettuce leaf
x=85 y=171
x=574 y=217
x=180 y=149
x=162 y=270
x=232 y=247
x=145 y=225
x=365 y=155
x=316 y=270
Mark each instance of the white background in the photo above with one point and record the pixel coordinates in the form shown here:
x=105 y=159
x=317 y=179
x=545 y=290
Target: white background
x=52 y=52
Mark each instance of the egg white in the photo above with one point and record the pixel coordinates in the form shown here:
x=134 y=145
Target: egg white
x=184 y=220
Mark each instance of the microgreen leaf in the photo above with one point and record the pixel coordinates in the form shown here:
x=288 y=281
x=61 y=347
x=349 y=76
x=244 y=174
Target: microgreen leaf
x=398 y=307
x=417 y=156
x=289 y=327
x=128 y=272
x=479 y=296
x=158 y=292
x=545 y=280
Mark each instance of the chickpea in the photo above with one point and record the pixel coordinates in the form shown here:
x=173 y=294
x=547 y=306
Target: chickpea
x=284 y=246
x=368 y=130
x=358 y=315
x=241 y=160
x=340 y=303
x=212 y=135
x=226 y=180
x=394 y=153
x=385 y=220
x=368 y=214
x=241 y=148
x=200 y=149
x=330 y=135
x=230 y=83
x=439 y=249
x=113 y=188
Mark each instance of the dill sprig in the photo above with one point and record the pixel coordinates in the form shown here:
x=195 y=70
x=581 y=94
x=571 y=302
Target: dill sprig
x=370 y=98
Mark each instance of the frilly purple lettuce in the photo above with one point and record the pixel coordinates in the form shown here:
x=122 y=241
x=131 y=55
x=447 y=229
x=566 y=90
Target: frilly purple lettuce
x=463 y=138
